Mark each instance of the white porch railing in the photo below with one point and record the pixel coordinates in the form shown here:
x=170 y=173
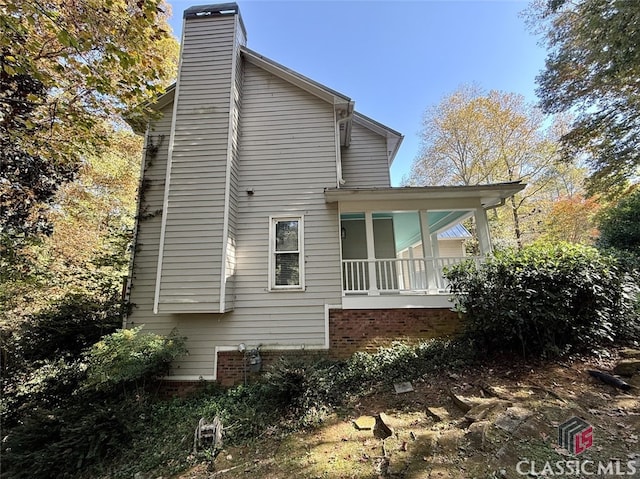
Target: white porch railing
x=383 y=276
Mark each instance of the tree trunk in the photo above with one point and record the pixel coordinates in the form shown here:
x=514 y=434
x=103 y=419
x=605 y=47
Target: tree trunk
x=516 y=222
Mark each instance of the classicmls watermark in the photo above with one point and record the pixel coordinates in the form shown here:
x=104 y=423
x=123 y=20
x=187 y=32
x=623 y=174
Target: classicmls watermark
x=576 y=436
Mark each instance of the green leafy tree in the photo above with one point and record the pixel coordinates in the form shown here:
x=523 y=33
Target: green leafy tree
x=94 y=59
x=68 y=71
x=87 y=251
x=620 y=224
x=27 y=180
x=592 y=69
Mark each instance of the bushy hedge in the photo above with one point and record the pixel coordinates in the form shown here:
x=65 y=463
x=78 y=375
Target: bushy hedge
x=64 y=329
x=545 y=299
x=71 y=413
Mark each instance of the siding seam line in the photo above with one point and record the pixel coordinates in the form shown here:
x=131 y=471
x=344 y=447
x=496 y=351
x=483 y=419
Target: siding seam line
x=227 y=181
x=165 y=202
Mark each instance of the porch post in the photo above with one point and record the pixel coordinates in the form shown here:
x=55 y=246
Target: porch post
x=371 y=254
x=435 y=247
x=427 y=251
x=482 y=227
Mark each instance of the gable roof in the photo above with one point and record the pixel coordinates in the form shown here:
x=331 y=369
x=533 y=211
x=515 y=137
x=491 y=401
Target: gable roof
x=311 y=86
x=343 y=105
x=394 y=138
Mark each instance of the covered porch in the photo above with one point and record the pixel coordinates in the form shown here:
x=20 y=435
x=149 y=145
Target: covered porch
x=397 y=242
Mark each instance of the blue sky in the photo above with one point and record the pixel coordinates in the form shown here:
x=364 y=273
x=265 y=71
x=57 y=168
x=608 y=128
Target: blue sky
x=395 y=58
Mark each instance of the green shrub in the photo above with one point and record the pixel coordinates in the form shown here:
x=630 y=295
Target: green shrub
x=63 y=441
x=92 y=416
x=47 y=385
x=130 y=357
x=303 y=388
x=544 y=299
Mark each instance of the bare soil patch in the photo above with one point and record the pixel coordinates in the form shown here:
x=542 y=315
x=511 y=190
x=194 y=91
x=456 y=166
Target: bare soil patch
x=515 y=410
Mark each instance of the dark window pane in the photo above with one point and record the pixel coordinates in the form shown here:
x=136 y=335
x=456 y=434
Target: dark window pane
x=287 y=236
x=287 y=269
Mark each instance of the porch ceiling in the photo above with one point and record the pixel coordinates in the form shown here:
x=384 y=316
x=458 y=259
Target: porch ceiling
x=490 y=195
x=406 y=224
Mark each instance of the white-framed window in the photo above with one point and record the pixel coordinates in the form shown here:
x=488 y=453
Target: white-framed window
x=286 y=255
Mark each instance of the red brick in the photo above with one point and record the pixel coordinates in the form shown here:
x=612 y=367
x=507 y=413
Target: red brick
x=349 y=331
x=352 y=330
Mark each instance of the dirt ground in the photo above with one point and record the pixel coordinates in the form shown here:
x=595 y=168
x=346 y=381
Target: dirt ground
x=510 y=430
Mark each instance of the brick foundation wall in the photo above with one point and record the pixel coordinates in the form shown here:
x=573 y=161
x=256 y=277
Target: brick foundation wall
x=231 y=364
x=352 y=330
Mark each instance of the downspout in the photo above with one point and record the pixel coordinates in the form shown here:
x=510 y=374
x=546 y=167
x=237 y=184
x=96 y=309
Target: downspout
x=344 y=120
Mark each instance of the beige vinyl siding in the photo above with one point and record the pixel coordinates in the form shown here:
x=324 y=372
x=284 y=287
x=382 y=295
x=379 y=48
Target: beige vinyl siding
x=196 y=197
x=230 y=257
x=288 y=160
x=451 y=247
x=287 y=156
x=151 y=199
x=364 y=162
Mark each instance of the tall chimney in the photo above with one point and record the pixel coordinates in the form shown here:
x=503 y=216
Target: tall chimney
x=195 y=262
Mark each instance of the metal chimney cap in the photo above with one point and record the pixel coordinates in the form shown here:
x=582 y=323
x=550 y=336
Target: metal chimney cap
x=201 y=11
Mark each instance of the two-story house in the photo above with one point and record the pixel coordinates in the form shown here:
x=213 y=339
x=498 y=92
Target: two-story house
x=267 y=218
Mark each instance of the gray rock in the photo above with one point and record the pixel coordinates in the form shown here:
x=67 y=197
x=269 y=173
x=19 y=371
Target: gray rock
x=511 y=419
x=438 y=413
x=486 y=408
x=382 y=429
x=627 y=367
x=477 y=433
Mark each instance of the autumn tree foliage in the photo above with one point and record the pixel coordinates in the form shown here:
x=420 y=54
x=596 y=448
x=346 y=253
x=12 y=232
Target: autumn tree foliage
x=592 y=69
x=69 y=71
x=571 y=219
x=66 y=67
x=475 y=137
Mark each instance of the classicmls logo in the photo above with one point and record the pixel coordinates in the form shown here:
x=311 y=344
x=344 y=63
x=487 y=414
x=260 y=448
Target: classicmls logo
x=575 y=435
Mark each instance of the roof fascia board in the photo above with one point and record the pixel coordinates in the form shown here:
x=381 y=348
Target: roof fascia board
x=165 y=99
x=490 y=195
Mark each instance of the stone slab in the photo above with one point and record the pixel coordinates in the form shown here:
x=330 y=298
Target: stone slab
x=511 y=419
x=403 y=387
x=476 y=435
x=630 y=353
x=440 y=414
x=487 y=408
x=365 y=423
